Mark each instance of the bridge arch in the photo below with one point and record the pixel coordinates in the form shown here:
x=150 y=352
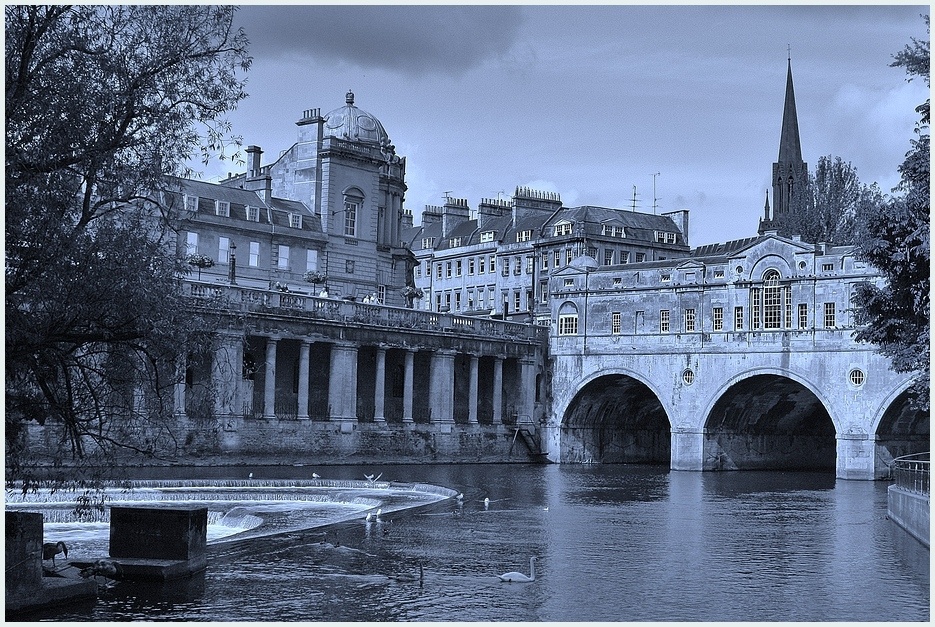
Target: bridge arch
x=769 y=418
x=900 y=428
x=616 y=416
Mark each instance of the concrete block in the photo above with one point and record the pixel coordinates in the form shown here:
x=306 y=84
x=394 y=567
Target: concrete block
x=158 y=533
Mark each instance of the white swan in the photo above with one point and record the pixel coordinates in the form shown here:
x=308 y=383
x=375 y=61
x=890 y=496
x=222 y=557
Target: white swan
x=315 y=475
x=379 y=511
x=373 y=479
x=520 y=577
x=368 y=516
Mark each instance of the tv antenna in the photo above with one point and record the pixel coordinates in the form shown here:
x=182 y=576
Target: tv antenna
x=448 y=195
x=634 y=201
x=654 y=193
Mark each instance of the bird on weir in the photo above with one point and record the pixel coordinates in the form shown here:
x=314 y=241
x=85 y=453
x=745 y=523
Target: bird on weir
x=51 y=549
x=520 y=577
x=373 y=479
x=102 y=567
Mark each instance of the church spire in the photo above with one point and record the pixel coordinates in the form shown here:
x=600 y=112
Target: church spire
x=790 y=150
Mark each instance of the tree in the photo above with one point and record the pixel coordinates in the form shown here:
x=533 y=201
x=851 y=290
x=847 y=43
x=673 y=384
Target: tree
x=828 y=209
x=895 y=239
x=103 y=103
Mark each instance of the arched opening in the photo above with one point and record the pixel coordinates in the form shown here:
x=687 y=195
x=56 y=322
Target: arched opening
x=615 y=420
x=903 y=430
x=769 y=422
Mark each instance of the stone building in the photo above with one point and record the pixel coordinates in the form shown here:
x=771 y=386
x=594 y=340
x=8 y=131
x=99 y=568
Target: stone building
x=330 y=205
x=499 y=262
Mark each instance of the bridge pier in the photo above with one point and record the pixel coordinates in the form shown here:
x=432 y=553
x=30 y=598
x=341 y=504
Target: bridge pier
x=855 y=459
x=687 y=450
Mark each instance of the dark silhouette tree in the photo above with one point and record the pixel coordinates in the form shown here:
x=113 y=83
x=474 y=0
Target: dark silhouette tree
x=103 y=103
x=895 y=239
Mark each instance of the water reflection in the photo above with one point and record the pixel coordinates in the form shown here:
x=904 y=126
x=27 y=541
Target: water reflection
x=615 y=543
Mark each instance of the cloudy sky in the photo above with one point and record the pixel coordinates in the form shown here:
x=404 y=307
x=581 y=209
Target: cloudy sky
x=590 y=101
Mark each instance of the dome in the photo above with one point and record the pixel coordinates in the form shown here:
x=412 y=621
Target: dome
x=353 y=124
x=584 y=262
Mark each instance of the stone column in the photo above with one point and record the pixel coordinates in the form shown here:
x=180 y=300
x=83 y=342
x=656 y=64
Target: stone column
x=179 y=396
x=226 y=373
x=342 y=386
x=304 y=349
x=407 y=386
x=269 y=389
x=442 y=386
x=379 y=393
x=472 y=392
x=498 y=390
x=527 y=397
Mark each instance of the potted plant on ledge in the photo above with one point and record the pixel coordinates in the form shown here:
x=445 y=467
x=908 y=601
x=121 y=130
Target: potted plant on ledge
x=411 y=293
x=200 y=261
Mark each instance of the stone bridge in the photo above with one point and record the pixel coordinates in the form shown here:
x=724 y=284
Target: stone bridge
x=648 y=368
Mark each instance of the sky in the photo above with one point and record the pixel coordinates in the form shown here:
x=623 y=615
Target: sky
x=590 y=101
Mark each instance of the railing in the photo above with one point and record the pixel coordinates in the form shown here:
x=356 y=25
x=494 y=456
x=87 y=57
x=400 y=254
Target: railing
x=234 y=298
x=911 y=473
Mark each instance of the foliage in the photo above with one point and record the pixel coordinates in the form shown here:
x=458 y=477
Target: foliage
x=102 y=102
x=313 y=276
x=828 y=210
x=895 y=239
x=199 y=261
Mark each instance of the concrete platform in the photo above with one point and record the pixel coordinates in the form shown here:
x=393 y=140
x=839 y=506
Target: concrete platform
x=66 y=587
x=149 y=569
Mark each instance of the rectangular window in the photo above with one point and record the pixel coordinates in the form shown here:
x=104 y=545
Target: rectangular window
x=428 y=242
x=253 y=214
x=191 y=243
x=486 y=236
x=458 y=267
x=438 y=302
x=544 y=292
x=827 y=267
x=624 y=256
x=471 y=266
x=470 y=298
x=829 y=315
x=295 y=220
x=458 y=300
x=689 y=316
x=717 y=318
x=481 y=263
x=664 y=321
x=803 y=315
x=516 y=296
x=224 y=247
x=665 y=278
x=569 y=282
x=438 y=270
x=771 y=308
x=545 y=261
x=754 y=308
x=640 y=257
x=311 y=260
x=568 y=256
x=381 y=294
x=254 y=254
x=524 y=236
x=608 y=257
x=615 y=322
x=568 y=324
x=191 y=203
x=529 y=262
x=283 y=263
x=738 y=318
x=350 y=218
x=454 y=242
x=719 y=274
x=787 y=298
x=517 y=265
x=492 y=266
x=558 y=259
x=448 y=269
x=563 y=228
x=222 y=208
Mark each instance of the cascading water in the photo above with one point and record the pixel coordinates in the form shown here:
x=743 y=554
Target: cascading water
x=237 y=508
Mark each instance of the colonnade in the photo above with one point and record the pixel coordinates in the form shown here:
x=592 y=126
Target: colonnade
x=346 y=381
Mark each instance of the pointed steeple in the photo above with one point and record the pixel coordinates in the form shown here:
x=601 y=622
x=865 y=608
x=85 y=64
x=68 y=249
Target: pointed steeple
x=790 y=150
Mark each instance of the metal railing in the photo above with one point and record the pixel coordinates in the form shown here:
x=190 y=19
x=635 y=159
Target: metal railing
x=911 y=473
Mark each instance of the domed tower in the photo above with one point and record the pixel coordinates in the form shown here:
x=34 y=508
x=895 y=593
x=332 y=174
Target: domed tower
x=345 y=169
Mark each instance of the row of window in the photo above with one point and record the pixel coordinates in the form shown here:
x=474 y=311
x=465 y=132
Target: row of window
x=568 y=320
x=281 y=255
x=479 y=265
x=484 y=298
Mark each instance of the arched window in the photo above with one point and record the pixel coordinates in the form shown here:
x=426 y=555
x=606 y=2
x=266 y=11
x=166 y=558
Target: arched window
x=568 y=319
x=772 y=300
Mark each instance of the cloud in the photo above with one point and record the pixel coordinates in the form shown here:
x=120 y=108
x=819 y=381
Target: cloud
x=415 y=40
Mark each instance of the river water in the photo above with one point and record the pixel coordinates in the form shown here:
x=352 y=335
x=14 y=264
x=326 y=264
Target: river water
x=613 y=543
